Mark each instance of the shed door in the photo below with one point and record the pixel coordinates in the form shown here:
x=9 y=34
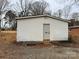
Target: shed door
x=46 y=31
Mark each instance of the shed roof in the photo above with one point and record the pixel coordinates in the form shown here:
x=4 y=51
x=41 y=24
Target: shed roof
x=39 y=16
x=74 y=27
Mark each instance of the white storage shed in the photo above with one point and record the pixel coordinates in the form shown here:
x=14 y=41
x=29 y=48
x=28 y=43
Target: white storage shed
x=40 y=28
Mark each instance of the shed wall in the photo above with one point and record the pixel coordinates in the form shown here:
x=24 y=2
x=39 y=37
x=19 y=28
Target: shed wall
x=32 y=29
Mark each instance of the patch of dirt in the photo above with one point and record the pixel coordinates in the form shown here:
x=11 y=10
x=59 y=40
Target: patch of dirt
x=14 y=51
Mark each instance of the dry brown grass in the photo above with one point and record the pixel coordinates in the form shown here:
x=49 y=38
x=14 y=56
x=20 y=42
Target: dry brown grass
x=8 y=36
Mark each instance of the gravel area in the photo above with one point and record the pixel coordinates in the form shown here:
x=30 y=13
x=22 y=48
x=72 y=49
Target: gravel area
x=14 y=51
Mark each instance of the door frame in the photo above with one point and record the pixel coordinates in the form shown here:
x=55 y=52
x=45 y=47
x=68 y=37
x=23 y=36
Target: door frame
x=44 y=34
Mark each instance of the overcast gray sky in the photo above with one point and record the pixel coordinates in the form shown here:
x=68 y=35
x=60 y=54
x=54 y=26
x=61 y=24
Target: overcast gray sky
x=56 y=4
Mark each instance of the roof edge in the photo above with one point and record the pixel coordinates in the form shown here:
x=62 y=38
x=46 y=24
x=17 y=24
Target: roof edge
x=73 y=27
x=38 y=16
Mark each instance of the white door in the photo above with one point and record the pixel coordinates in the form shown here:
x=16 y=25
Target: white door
x=46 y=31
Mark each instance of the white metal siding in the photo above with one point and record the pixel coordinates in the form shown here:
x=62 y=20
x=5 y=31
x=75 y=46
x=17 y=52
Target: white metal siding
x=32 y=29
x=29 y=30
x=59 y=30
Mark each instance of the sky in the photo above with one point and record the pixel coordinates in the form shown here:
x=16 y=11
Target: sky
x=54 y=5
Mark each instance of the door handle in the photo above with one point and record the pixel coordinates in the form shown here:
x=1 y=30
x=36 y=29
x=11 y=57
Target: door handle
x=47 y=32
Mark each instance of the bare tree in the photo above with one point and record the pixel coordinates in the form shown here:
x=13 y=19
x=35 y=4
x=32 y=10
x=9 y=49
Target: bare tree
x=67 y=8
x=75 y=16
x=32 y=8
x=58 y=13
x=23 y=7
x=74 y=21
x=76 y=1
x=38 y=7
x=3 y=4
x=10 y=17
